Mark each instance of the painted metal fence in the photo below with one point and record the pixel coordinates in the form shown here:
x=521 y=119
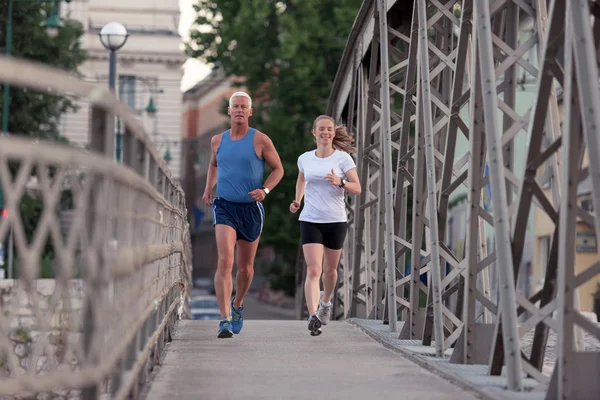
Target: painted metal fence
x=101 y=252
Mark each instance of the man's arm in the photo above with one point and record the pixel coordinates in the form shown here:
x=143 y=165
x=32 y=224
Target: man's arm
x=269 y=154
x=211 y=176
x=271 y=157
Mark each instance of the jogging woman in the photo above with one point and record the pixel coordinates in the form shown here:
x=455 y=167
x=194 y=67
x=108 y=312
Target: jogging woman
x=324 y=175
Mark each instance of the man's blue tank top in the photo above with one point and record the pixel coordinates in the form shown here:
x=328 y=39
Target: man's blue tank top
x=239 y=169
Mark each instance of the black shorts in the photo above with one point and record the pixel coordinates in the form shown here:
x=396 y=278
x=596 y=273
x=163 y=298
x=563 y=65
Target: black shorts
x=330 y=235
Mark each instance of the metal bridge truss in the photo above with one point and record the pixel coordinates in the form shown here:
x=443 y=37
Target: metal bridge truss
x=430 y=91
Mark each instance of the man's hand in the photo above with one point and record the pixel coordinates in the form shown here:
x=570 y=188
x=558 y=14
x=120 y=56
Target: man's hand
x=333 y=178
x=294 y=206
x=258 y=194
x=207 y=197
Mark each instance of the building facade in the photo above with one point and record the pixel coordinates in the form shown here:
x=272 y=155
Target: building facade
x=149 y=67
x=540 y=228
x=457 y=215
x=586 y=248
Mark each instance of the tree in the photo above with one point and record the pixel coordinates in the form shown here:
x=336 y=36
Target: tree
x=33 y=113
x=288 y=54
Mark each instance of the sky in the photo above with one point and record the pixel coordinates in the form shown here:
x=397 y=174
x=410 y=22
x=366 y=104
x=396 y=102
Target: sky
x=194 y=70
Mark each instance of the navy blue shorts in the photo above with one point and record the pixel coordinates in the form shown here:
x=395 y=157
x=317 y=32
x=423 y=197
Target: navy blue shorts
x=246 y=218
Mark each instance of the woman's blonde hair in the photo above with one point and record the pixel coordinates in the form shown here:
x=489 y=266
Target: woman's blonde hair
x=341 y=141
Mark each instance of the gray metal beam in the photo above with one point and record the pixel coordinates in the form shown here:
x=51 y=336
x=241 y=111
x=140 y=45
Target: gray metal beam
x=499 y=202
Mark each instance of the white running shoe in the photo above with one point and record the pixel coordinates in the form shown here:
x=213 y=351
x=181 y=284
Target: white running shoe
x=324 y=311
x=314 y=325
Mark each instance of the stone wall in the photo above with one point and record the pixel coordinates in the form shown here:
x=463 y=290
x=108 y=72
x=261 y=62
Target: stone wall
x=24 y=312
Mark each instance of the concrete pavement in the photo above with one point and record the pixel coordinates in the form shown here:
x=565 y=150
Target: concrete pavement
x=280 y=360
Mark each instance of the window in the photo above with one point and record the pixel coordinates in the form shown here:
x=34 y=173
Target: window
x=587 y=204
x=544 y=246
x=127 y=90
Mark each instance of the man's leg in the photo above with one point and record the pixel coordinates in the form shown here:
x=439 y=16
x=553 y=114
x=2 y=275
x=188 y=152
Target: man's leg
x=226 y=236
x=251 y=222
x=246 y=252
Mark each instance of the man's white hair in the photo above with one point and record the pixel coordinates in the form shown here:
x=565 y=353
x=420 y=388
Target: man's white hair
x=240 y=94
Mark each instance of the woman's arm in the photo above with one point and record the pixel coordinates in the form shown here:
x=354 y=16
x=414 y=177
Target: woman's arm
x=353 y=184
x=300 y=184
x=299 y=193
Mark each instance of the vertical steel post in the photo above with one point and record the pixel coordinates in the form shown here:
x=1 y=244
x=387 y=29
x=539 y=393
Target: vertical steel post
x=425 y=100
x=386 y=165
x=507 y=295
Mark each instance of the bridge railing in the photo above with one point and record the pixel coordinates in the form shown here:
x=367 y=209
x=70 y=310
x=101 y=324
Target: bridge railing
x=497 y=103
x=102 y=252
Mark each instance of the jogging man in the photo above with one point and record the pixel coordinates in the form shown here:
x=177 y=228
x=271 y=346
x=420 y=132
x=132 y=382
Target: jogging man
x=237 y=168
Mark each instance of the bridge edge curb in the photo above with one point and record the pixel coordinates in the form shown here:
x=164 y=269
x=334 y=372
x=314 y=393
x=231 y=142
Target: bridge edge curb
x=424 y=363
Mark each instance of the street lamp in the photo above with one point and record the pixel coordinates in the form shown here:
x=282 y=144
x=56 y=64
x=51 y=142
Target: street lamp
x=150 y=109
x=52 y=26
x=113 y=36
x=167 y=156
x=53 y=23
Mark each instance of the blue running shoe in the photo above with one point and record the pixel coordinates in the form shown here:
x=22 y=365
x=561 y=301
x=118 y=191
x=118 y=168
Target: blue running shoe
x=225 y=328
x=237 y=319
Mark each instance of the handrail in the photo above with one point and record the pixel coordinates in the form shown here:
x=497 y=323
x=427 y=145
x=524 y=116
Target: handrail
x=40 y=77
x=121 y=266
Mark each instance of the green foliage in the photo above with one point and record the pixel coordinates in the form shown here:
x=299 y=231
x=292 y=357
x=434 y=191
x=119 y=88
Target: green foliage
x=281 y=276
x=31 y=113
x=288 y=53
x=31 y=209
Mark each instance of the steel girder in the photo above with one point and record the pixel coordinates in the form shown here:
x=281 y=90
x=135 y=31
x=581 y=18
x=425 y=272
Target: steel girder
x=432 y=91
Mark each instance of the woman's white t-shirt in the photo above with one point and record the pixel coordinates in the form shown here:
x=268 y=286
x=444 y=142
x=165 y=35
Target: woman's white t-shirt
x=323 y=202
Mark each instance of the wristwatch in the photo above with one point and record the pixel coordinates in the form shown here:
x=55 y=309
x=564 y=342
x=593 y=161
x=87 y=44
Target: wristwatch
x=344 y=181
x=265 y=189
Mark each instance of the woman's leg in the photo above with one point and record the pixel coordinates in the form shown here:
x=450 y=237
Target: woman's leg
x=330 y=275
x=313 y=254
x=333 y=241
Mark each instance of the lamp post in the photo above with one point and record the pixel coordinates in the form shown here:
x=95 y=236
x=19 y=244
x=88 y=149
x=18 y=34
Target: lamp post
x=167 y=157
x=52 y=26
x=150 y=108
x=113 y=36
